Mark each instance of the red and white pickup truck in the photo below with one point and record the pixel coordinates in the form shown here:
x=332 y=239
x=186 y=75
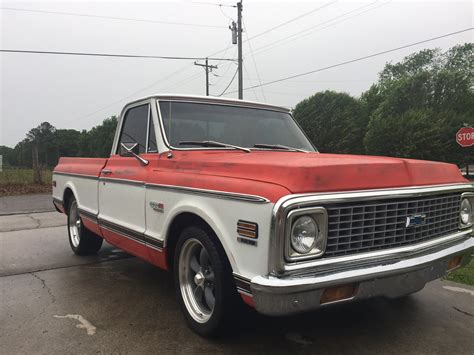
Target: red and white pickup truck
x=235 y=200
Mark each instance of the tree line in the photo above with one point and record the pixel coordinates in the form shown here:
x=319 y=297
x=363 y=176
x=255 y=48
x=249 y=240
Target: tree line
x=413 y=110
x=52 y=143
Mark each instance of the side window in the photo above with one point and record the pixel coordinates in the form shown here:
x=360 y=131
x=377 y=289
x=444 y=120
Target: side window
x=152 y=148
x=134 y=127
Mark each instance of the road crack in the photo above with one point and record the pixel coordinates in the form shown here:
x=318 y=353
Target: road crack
x=463 y=312
x=36 y=220
x=45 y=286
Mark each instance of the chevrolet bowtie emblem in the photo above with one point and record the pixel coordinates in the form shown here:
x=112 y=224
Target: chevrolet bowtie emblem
x=415 y=220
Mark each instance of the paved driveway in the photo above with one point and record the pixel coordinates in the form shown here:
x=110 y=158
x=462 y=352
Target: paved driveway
x=55 y=302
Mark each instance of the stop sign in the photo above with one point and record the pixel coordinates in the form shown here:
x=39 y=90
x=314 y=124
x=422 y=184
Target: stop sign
x=465 y=136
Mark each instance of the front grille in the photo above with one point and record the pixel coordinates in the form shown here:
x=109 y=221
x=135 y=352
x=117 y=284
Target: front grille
x=362 y=226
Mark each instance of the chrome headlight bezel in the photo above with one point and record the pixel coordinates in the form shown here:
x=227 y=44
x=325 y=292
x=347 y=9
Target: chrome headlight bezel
x=469 y=196
x=320 y=217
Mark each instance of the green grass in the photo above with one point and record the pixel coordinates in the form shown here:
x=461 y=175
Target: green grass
x=20 y=182
x=464 y=275
x=22 y=177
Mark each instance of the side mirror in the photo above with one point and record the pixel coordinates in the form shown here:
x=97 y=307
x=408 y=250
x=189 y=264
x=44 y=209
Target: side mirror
x=126 y=149
x=132 y=151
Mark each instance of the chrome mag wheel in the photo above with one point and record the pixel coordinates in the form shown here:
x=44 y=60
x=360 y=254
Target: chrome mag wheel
x=196 y=280
x=74 y=224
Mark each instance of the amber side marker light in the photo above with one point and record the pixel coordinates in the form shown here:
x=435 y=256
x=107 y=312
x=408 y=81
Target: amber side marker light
x=338 y=293
x=247 y=229
x=454 y=262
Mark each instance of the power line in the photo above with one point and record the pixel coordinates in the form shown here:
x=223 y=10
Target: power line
x=357 y=59
x=316 y=28
x=230 y=83
x=111 y=17
x=277 y=26
x=254 y=62
x=253 y=90
x=132 y=95
x=211 y=4
x=85 y=54
x=293 y=19
x=229 y=65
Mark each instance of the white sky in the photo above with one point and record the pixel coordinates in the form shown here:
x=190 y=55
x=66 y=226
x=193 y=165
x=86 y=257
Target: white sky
x=79 y=92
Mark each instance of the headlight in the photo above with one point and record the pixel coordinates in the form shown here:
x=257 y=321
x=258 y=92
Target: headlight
x=466 y=212
x=304 y=233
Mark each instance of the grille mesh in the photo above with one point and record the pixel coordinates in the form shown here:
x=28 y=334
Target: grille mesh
x=364 y=226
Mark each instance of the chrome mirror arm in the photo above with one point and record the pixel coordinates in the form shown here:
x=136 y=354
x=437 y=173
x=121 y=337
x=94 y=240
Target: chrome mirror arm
x=132 y=153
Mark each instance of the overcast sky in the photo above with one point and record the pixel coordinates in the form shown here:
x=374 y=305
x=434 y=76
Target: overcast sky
x=79 y=92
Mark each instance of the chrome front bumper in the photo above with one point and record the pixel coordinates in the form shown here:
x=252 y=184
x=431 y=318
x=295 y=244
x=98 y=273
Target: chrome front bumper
x=390 y=278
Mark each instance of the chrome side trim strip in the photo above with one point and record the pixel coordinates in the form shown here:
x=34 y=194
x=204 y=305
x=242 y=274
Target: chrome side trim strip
x=282 y=207
x=214 y=193
x=75 y=175
x=131 y=234
x=122 y=181
x=89 y=215
x=191 y=190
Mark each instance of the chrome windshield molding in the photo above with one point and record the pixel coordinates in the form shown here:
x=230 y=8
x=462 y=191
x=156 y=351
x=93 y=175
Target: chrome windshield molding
x=211 y=193
x=217 y=101
x=277 y=263
x=75 y=175
x=220 y=101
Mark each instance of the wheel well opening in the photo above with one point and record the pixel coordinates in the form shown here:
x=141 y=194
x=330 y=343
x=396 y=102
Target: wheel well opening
x=68 y=194
x=180 y=222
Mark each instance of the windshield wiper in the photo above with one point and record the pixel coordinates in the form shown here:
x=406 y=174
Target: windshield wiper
x=279 y=146
x=214 y=144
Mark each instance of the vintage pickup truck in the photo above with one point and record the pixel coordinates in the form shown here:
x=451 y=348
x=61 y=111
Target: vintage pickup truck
x=233 y=198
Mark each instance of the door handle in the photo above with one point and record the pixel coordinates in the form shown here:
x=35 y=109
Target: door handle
x=106 y=171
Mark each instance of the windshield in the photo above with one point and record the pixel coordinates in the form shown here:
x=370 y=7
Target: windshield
x=240 y=126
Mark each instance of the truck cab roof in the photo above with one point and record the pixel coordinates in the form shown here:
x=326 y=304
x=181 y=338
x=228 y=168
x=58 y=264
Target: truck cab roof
x=212 y=99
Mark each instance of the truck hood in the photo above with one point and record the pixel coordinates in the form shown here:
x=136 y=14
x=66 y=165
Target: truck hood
x=316 y=172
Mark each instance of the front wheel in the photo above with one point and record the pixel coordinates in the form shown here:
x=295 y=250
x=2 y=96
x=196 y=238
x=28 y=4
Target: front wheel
x=203 y=282
x=82 y=240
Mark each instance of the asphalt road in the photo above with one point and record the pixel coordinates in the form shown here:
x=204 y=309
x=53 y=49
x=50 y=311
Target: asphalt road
x=54 y=302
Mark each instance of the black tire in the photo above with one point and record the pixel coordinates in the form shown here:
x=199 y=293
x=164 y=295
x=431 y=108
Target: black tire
x=81 y=240
x=226 y=299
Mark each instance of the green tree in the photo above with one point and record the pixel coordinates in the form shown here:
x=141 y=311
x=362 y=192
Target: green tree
x=334 y=122
x=98 y=141
x=8 y=156
x=417 y=105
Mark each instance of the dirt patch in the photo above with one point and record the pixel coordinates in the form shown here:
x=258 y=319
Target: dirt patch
x=22 y=189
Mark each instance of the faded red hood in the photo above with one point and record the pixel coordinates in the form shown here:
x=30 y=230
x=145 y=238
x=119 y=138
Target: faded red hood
x=315 y=172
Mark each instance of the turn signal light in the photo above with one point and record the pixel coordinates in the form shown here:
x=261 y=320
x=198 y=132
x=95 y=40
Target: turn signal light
x=247 y=229
x=454 y=262
x=338 y=293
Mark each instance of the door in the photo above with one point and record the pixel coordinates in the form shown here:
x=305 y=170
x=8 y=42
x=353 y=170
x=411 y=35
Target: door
x=122 y=187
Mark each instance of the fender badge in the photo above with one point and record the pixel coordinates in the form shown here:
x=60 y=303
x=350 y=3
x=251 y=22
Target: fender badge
x=157 y=206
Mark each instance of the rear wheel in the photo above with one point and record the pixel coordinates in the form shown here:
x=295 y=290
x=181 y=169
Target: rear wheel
x=82 y=240
x=203 y=282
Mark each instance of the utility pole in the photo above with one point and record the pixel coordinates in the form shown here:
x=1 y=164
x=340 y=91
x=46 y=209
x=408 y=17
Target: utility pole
x=208 y=68
x=240 y=62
